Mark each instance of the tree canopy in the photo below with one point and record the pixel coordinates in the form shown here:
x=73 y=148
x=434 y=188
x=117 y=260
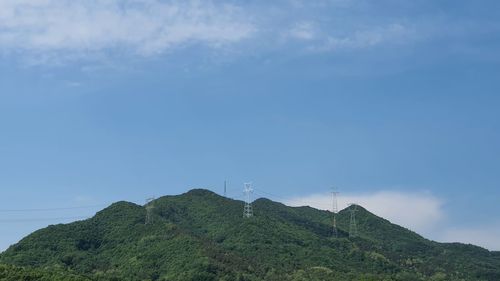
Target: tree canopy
x=200 y=235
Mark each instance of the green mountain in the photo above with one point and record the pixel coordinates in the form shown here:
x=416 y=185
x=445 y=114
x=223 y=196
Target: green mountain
x=200 y=235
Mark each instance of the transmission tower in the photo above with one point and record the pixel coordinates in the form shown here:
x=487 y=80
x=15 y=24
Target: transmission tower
x=335 y=210
x=353 y=227
x=149 y=210
x=248 y=190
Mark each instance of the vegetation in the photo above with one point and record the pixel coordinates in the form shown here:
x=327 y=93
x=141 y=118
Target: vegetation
x=13 y=273
x=202 y=236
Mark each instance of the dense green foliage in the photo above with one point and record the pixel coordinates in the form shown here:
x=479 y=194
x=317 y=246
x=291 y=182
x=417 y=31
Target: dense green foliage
x=203 y=236
x=13 y=273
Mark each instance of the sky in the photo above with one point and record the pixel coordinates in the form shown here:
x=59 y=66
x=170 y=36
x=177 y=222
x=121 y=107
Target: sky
x=394 y=103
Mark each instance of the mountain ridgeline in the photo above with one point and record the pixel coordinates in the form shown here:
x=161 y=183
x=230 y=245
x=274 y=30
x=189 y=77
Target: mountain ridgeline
x=200 y=235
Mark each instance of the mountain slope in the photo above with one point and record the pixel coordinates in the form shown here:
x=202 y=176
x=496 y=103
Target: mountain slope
x=14 y=273
x=200 y=235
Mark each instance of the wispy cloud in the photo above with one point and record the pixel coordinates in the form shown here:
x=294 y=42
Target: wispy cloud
x=487 y=236
x=38 y=31
x=76 y=28
x=420 y=212
x=319 y=38
x=143 y=26
x=361 y=39
x=423 y=213
x=303 y=31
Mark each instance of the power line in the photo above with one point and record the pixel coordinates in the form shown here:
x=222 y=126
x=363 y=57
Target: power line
x=27 y=210
x=50 y=209
x=227 y=189
x=42 y=219
x=278 y=197
x=59 y=218
x=269 y=194
x=149 y=211
x=233 y=193
x=246 y=197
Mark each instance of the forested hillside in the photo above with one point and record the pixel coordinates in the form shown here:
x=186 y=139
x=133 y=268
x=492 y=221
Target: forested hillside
x=13 y=273
x=200 y=235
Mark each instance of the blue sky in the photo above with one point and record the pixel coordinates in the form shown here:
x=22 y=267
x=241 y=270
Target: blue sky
x=393 y=102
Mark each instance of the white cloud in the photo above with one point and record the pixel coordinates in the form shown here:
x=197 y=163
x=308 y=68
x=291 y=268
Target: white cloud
x=487 y=236
x=361 y=39
x=42 y=31
x=319 y=38
x=303 y=31
x=144 y=26
x=321 y=3
x=420 y=212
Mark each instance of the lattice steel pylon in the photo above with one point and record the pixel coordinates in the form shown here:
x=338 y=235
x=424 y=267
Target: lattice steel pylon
x=353 y=227
x=149 y=210
x=335 y=210
x=247 y=210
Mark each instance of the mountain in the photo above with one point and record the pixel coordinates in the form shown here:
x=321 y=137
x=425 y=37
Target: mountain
x=14 y=273
x=200 y=235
